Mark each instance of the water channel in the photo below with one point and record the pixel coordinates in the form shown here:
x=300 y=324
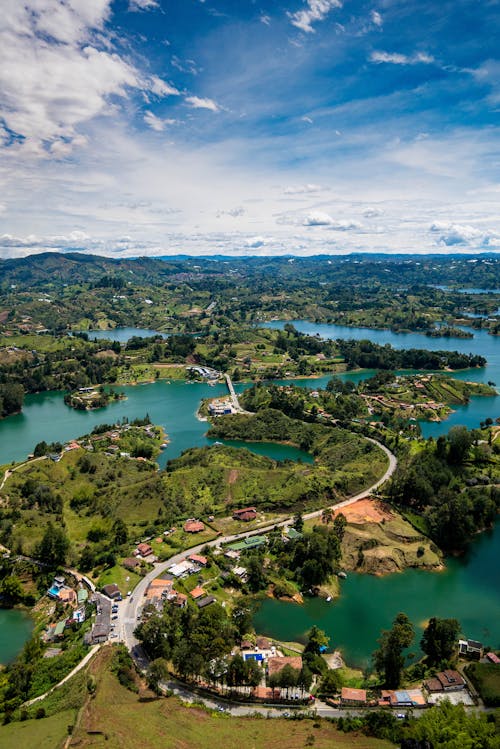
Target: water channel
x=469 y=589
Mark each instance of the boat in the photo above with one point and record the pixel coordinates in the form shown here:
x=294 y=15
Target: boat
x=328 y=599
x=342 y=575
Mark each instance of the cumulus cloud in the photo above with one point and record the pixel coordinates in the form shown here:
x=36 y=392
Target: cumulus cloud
x=317 y=218
x=157 y=123
x=372 y=212
x=265 y=19
x=135 y=5
x=376 y=18
x=316 y=10
x=255 y=242
x=461 y=234
x=198 y=102
x=58 y=70
x=395 y=58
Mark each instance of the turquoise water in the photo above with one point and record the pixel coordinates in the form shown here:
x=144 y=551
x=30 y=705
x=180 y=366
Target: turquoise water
x=468 y=590
x=122 y=335
x=15 y=629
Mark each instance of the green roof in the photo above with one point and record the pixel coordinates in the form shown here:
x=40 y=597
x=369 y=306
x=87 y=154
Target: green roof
x=293 y=534
x=250 y=542
x=60 y=627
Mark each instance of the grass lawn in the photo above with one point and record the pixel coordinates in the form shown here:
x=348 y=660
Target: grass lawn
x=46 y=733
x=125 y=579
x=128 y=722
x=486 y=679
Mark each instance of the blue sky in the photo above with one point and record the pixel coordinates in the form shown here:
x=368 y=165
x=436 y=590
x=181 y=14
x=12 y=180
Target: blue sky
x=155 y=127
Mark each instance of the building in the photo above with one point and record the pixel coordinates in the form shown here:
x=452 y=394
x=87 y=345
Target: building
x=493 y=657
x=198 y=559
x=112 y=591
x=351 y=696
x=445 y=681
x=276 y=663
x=197 y=593
x=193 y=526
x=251 y=542
x=402 y=698
x=471 y=649
x=202 y=602
x=182 y=568
x=246 y=514
x=131 y=563
x=144 y=550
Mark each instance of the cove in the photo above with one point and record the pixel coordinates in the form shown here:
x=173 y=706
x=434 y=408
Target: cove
x=469 y=415
x=15 y=629
x=468 y=590
x=122 y=335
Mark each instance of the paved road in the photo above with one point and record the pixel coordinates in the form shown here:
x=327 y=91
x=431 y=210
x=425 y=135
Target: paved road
x=129 y=609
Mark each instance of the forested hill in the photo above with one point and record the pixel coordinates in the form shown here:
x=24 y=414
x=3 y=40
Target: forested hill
x=480 y=270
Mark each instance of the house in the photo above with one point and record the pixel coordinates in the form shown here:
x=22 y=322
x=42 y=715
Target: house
x=202 y=602
x=181 y=569
x=180 y=600
x=232 y=554
x=131 y=563
x=493 y=657
x=144 y=550
x=158 y=589
x=246 y=514
x=276 y=663
x=351 y=696
x=471 y=649
x=198 y=559
x=112 y=591
x=240 y=572
x=445 y=681
x=251 y=542
x=197 y=593
x=193 y=526
x=402 y=698
x=67 y=595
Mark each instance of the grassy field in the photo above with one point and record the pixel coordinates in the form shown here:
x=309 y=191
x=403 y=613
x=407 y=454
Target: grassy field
x=133 y=720
x=46 y=733
x=486 y=679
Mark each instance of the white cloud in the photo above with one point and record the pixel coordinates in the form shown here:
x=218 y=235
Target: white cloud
x=303 y=189
x=58 y=71
x=372 y=212
x=376 y=18
x=136 y=5
x=316 y=10
x=317 y=218
x=461 y=234
x=157 y=123
x=395 y=58
x=307 y=119
x=255 y=242
x=198 y=102
x=265 y=19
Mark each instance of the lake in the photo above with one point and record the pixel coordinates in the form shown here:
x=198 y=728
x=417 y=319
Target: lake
x=15 y=629
x=122 y=335
x=469 y=589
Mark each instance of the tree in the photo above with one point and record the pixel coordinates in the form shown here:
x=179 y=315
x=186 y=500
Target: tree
x=439 y=639
x=389 y=659
x=317 y=641
x=459 y=442
x=298 y=522
x=331 y=683
x=53 y=547
x=157 y=672
x=120 y=532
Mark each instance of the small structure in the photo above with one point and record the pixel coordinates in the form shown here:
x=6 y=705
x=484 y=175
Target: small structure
x=144 y=550
x=402 y=698
x=193 y=526
x=181 y=569
x=198 y=559
x=251 y=542
x=471 y=649
x=112 y=591
x=240 y=572
x=445 y=681
x=276 y=663
x=493 y=657
x=202 y=602
x=197 y=593
x=246 y=514
x=180 y=600
x=351 y=696
x=131 y=563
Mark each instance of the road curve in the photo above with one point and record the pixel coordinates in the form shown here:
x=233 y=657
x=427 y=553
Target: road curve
x=129 y=608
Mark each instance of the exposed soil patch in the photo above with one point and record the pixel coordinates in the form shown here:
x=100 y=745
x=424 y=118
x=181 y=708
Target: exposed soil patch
x=366 y=511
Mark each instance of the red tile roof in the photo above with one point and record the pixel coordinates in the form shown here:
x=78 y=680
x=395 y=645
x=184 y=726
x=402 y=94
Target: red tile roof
x=193 y=526
x=276 y=663
x=350 y=694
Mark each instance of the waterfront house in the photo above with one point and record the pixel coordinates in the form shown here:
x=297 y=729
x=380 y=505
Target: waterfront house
x=471 y=649
x=277 y=663
x=493 y=657
x=445 y=681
